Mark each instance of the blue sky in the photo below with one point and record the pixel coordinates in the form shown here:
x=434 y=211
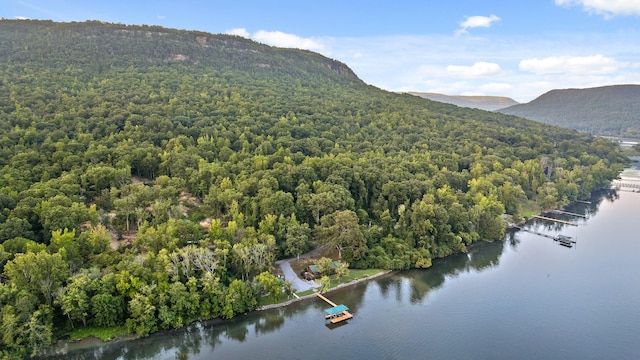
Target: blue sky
x=519 y=49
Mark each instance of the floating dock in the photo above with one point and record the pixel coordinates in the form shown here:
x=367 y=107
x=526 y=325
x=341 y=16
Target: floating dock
x=336 y=313
x=564 y=240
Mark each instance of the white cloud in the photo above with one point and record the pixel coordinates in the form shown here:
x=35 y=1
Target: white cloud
x=457 y=65
x=419 y=63
x=21 y=18
x=476 y=21
x=239 y=32
x=476 y=70
x=280 y=39
x=608 y=8
x=585 y=65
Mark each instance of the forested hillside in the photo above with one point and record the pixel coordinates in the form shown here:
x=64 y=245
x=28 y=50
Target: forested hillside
x=148 y=175
x=609 y=110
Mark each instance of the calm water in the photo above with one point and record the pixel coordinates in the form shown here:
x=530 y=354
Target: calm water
x=523 y=298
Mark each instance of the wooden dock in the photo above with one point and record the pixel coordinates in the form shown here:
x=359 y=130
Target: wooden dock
x=568 y=213
x=555 y=220
x=325 y=299
x=336 y=313
x=563 y=240
x=537 y=233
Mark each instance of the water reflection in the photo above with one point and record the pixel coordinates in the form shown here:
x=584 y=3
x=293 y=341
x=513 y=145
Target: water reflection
x=480 y=257
x=187 y=342
x=184 y=341
x=588 y=209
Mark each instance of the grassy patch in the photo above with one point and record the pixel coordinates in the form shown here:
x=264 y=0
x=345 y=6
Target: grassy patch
x=529 y=208
x=305 y=293
x=268 y=300
x=103 y=333
x=356 y=274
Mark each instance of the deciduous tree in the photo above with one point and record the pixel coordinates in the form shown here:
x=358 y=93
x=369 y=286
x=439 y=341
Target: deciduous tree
x=342 y=231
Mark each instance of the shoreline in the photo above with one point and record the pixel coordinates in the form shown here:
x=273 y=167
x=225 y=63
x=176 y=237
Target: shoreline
x=313 y=295
x=62 y=346
x=81 y=342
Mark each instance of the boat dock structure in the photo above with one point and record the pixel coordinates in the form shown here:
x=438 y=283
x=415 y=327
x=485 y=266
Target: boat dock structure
x=336 y=313
x=631 y=184
x=564 y=240
x=568 y=213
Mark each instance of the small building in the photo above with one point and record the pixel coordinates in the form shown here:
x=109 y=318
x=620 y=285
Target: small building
x=313 y=272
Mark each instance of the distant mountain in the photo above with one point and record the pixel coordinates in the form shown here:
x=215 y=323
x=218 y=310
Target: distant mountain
x=609 y=110
x=489 y=103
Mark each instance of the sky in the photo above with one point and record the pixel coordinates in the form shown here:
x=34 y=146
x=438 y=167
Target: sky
x=515 y=48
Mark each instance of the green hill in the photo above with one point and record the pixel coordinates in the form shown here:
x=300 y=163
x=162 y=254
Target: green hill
x=148 y=176
x=609 y=110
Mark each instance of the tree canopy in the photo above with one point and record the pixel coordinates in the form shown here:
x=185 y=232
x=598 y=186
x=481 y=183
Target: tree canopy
x=149 y=175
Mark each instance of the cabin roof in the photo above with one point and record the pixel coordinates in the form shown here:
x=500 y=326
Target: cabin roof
x=314 y=267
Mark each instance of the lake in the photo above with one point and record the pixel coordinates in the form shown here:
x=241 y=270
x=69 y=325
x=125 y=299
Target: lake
x=525 y=297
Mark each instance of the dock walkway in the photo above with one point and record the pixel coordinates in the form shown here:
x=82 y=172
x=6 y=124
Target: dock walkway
x=537 y=233
x=555 y=220
x=568 y=213
x=563 y=240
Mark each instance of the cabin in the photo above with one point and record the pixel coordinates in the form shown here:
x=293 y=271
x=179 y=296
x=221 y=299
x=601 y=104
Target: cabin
x=313 y=272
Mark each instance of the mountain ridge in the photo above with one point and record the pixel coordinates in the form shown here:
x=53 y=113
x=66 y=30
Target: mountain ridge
x=164 y=46
x=612 y=110
x=489 y=103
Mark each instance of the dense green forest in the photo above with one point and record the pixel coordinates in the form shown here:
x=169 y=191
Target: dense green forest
x=608 y=110
x=148 y=176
